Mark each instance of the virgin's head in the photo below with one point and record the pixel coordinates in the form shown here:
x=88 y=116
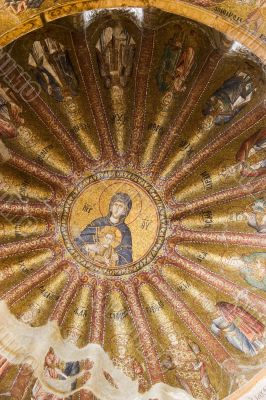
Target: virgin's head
x=120 y=206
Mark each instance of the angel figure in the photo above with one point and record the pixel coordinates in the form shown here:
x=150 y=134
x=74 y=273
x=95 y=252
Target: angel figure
x=240 y=328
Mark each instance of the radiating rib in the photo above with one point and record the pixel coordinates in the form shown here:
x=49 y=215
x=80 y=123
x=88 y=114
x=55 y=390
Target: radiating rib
x=36 y=170
x=20 y=290
x=141 y=90
x=224 y=196
x=193 y=97
x=19 y=208
x=235 y=238
x=221 y=284
x=98 y=314
x=30 y=95
x=24 y=246
x=145 y=335
x=22 y=382
x=225 y=137
x=190 y=319
x=67 y=295
x=95 y=100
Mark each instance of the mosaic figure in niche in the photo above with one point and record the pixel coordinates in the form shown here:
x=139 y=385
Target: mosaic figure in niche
x=254 y=144
x=190 y=365
x=108 y=239
x=250 y=158
x=17 y=6
x=56 y=371
x=115 y=52
x=52 y=68
x=10 y=114
x=128 y=364
x=234 y=94
x=256 y=18
x=257 y=218
x=240 y=328
x=176 y=64
x=253 y=269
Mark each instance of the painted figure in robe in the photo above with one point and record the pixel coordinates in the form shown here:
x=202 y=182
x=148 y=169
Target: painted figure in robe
x=240 y=328
x=119 y=208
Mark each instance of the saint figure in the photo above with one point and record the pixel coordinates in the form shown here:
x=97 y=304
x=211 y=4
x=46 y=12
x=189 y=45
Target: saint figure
x=52 y=68
x=241 y=329
x=115 y=51
x=230 y=98
x=251 y=146
x=176 y=65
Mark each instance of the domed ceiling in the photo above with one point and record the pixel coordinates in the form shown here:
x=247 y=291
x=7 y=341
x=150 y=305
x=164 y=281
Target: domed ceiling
x=132 y=256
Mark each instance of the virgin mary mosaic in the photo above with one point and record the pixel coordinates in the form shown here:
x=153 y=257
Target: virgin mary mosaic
x=108 y=239
x=114 y=222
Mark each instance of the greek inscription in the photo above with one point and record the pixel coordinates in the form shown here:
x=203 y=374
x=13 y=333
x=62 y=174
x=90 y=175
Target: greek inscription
x=26 y=270
x=182 y=287
x=119 y=118
x=87 y=208
x=81 y=312
x=48 y=295
x=155 y=307
x=202 y=256
x=146 y=223
x=207 y=218
x=44 y=152
x=228 y=14
x=206 y=180
x=155 y=128
x=118 y=315
x=23 y=188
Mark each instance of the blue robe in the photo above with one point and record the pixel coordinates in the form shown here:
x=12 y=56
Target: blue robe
x=124 y=250
x=238 y=86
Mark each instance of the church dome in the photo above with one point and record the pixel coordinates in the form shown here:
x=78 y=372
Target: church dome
x=132 y=210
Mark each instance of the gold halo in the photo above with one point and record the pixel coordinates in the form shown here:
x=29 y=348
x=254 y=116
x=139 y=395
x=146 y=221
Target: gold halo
x=134 y=194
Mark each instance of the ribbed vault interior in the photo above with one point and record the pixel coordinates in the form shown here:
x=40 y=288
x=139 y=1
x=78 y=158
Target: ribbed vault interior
x=166 y=118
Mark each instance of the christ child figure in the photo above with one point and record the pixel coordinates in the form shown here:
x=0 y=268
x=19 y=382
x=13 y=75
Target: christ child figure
x=103 y=251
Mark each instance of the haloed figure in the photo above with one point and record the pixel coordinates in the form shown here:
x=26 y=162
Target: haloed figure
x=113 y=245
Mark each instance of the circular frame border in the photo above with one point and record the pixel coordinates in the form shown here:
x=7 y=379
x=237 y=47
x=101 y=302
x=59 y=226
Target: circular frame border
x=158 y=243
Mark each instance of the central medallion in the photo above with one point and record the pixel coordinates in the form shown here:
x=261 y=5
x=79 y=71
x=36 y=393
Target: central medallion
x=114 y=223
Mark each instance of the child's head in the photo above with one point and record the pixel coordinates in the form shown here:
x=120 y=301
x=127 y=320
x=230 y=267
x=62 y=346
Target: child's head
x=109 y=236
